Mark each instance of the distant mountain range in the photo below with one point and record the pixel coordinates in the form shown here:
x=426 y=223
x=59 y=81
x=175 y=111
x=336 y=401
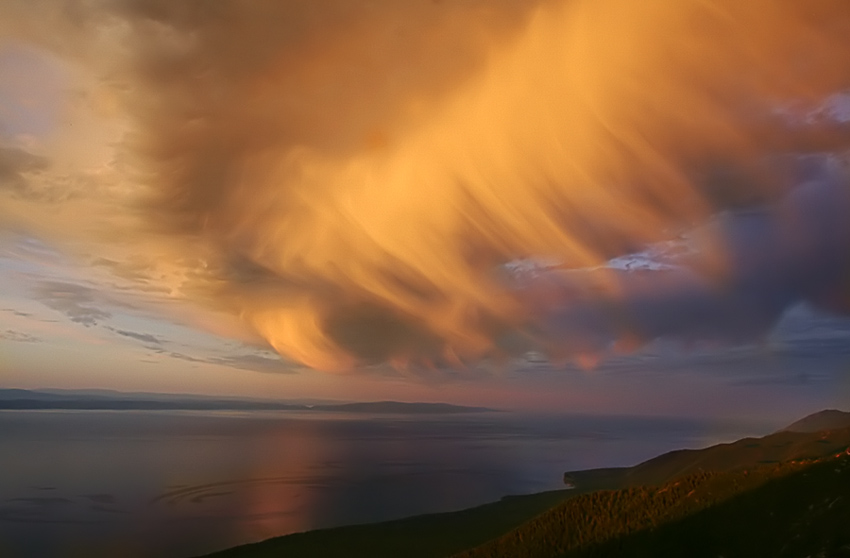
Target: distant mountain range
x=96 y=400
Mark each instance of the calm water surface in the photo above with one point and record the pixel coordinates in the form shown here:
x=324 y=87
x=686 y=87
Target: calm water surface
x=166 y=484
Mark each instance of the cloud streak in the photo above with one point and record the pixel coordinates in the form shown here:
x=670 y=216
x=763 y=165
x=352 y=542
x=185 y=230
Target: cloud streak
x=19 y=336
x=75 y=301
x=143 y=337
x=251 y=362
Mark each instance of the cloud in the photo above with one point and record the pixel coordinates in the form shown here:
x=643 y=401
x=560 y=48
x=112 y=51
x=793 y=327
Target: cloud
x=742 y=271
x=252 y=362
x=143 y=337
x=75 y=301
x=17 y=313
x=347 y=178
x=256 y=363
x=19 y=336
x=16 y=168
x=372 y=233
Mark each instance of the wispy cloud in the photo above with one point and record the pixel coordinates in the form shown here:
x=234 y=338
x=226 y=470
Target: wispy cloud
x=253 y=362
x=17 y=313
x=78 y=303
x=19 y=336
x=256 y=363
x=16 y=168
x=144 y=337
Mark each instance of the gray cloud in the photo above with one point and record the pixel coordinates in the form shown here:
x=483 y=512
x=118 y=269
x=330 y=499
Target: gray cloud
x=28 y=176
x=139 y=272
x=17 y=313
x=144 y=337
x=16 y=168
x=746 y=267
x=179 y=356
x=19 y=336
x=75 y=301
x=252 y=362
x=256 y=363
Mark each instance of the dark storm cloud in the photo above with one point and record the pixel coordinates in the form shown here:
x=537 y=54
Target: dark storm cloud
x=745 y=268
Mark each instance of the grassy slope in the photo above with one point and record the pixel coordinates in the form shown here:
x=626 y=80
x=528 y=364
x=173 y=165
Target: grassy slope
x=441 y=535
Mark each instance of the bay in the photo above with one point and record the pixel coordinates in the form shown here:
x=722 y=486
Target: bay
x=178 y=484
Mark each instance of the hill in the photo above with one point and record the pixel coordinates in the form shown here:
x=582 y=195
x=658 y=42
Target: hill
x=796 y=508
x=97 y=400
x=829 y=419
x=747 y=452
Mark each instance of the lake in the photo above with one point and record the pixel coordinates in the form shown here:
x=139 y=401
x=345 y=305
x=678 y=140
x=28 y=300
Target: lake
x=178 y=484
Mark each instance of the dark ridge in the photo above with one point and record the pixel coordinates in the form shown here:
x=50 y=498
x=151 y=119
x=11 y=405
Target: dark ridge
x=830 y=419
x=19 y=399
x=796 y=508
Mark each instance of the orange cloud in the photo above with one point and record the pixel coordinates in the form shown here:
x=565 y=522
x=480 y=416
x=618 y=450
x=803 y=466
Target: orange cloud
x=347 y=176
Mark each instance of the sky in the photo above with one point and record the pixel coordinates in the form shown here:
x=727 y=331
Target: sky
x=562 y=205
